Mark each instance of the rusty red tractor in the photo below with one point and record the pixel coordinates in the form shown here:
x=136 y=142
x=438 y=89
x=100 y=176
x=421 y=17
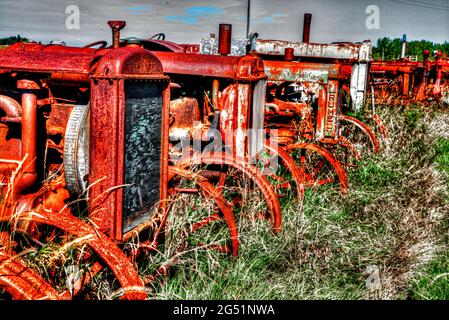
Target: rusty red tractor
x=405 y=81
x=306 y=102
x=314 y=93
x=58 y=138
x=96 y=148
x=310 y=88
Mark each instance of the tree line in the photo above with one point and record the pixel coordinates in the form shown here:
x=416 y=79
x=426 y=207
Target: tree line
x=12 y=39
x=390 y=49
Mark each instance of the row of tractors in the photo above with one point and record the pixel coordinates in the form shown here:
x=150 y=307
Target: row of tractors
x=99 y=143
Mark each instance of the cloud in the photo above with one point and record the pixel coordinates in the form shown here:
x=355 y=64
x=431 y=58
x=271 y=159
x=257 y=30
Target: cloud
x=192 y=14
x=273 y=17
x=138 y=9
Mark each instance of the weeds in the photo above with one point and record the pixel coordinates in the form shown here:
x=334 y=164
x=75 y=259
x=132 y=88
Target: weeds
x=393 y=218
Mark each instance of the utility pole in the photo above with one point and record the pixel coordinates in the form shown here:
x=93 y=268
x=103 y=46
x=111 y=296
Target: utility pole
x=248 y=17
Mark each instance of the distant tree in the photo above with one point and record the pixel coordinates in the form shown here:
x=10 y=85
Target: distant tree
x=13 y=39
x=390 y=49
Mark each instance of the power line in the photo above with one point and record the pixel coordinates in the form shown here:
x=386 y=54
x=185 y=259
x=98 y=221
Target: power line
x=429 y=4
x=422 y=4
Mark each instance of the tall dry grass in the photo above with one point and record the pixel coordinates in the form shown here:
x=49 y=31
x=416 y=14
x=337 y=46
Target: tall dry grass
x=393 y=220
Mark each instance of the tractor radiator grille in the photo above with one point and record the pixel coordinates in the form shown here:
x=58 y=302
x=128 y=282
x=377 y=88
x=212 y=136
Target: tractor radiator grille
x=143 y=129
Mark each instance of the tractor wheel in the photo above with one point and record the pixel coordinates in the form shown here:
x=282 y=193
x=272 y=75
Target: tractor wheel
x=69 y=252
x=357 y=139
x=281 y=170
x=240 y=183
x=205 y=207
x=19 y=282
x=318 y=166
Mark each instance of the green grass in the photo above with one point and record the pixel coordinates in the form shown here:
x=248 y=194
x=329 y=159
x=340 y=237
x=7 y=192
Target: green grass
x=442 y=154
x=433 y=284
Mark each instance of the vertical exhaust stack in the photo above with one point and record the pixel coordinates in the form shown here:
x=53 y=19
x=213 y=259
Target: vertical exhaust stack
x=306 y=29
x=426 y=54
x=404 y=45
x=289 y=54
x=224 y=39
x=116 y=26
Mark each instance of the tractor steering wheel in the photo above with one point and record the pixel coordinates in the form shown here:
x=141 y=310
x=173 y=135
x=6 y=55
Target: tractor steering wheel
x=158 y=36
x=102 y=44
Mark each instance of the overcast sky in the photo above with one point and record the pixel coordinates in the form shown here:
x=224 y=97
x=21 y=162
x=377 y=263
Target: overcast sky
x=189 y=20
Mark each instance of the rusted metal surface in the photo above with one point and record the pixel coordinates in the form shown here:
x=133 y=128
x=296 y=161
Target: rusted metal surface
x=306 y=28
x=251 y=172
x=404 y=81
x=344 y=51
x=11 y=108
x=237 y=91
x=38 y=61
x=322 y=74
x=366 y=130
x=300 y=71
x=224 y=39
x=291 y=165
x=239 y=68
x=124 y=167
x=107 y=124
x=29 y=135
x=330 y=158
x=52 y=211
x=289 y=54
x=53 y=81
x=22 y=283
x=211 y=192
x=392 y=81
x=116 y=26
x=355 y=56
x=68 y=79
x=319 y=84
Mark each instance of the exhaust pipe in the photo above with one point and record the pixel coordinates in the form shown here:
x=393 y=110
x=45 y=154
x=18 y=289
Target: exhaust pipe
x=289 y=54
x=426 y=54
x=404 y=46
x=224 y=39
x=306 y=28
x=116 y=26
x=29 y=134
